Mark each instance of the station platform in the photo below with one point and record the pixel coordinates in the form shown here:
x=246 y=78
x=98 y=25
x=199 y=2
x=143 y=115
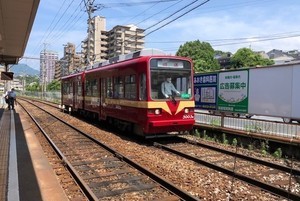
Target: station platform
x=25 y=173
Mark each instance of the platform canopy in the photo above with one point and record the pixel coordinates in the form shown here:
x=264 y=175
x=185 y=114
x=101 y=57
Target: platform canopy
x=16 y=20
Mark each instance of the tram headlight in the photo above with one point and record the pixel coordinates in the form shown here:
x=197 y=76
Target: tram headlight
x=186 y=110
x=154 y=111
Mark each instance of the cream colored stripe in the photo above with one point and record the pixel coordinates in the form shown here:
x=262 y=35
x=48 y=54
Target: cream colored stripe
x=151 y=105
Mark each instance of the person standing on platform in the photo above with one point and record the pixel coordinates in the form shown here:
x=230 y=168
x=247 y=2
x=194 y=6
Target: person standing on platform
x=11 y=99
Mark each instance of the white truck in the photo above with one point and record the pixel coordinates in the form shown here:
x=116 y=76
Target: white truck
x=263 y=91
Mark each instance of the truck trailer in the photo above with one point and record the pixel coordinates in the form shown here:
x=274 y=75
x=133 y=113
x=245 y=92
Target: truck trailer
x=263 y=91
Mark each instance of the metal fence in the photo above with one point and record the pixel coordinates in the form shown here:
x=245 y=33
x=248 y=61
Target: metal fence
x=280 y=129
x=53 y=96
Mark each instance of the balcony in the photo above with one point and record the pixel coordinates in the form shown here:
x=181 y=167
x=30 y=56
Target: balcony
x=140 y=47
x=103 y=48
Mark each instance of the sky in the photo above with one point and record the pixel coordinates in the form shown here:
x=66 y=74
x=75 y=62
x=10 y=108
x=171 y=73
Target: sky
x=227 y=25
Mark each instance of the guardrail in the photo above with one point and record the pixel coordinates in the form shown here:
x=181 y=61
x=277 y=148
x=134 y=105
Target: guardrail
x=280 y=129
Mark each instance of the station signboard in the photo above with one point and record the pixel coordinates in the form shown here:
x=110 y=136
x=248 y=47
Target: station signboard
x=7 y=75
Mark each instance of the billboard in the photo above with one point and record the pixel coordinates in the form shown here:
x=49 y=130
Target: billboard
x=205 y=89
x=233 y=91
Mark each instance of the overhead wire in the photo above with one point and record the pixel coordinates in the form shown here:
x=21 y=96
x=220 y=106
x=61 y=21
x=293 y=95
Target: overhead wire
x=215 y=42
x=160 y=12
x=141 y=13
x=122 y=4
x=239 y=41
x=40 y=42
x=263 y=37
x=195 y=7
x=179 y=10
x=61 y=17
x=68 y=23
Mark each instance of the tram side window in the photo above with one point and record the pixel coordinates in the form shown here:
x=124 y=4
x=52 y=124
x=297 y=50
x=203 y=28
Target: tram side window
x=88 y=88
x=118 y=88
x=95 y=91
x=143 y=92
x=130 y=87
x=109 y=92
x=103 y=89
x=79 y=89
x=70 y=91
x=65 y=88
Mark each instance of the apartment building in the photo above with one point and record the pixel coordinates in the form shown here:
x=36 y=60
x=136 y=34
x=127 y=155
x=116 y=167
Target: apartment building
x=125 y=39
x=47 y=65
x=106 y=44
x=97 y=41
x=70 y=62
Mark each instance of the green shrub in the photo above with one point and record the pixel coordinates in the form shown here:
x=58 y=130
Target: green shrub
x=224 y=140
x=197 y=133
x=278 y=153
x=234 y=142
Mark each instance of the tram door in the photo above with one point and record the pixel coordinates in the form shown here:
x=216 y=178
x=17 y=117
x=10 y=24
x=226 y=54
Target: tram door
x=77 y=88
x=75 y=94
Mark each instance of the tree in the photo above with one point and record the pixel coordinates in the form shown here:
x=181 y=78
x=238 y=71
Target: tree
x=245 y=57
x=28 y=79
x=53 y=86
x=34 y=86
x=202 y=55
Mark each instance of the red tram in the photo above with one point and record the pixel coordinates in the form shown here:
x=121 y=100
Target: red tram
x=126 y=91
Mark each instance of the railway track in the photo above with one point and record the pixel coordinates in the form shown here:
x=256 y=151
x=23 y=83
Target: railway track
x=101 y=172
x=277 y=179
x=199 y=181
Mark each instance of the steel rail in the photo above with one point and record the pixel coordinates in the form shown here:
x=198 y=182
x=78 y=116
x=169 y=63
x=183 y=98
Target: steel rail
x=163 y=182
x=87 y=191
x=270 y=188
x=289 y=170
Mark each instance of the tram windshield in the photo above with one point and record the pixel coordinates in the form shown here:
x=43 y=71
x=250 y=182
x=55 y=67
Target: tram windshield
x=170 y=78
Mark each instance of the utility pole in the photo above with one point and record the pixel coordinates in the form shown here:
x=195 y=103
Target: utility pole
x=44 y=83
x=90 y=9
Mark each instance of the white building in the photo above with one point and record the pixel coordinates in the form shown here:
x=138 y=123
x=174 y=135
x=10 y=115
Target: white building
x=47 y=66
x=97 y=39
x=107 y=44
